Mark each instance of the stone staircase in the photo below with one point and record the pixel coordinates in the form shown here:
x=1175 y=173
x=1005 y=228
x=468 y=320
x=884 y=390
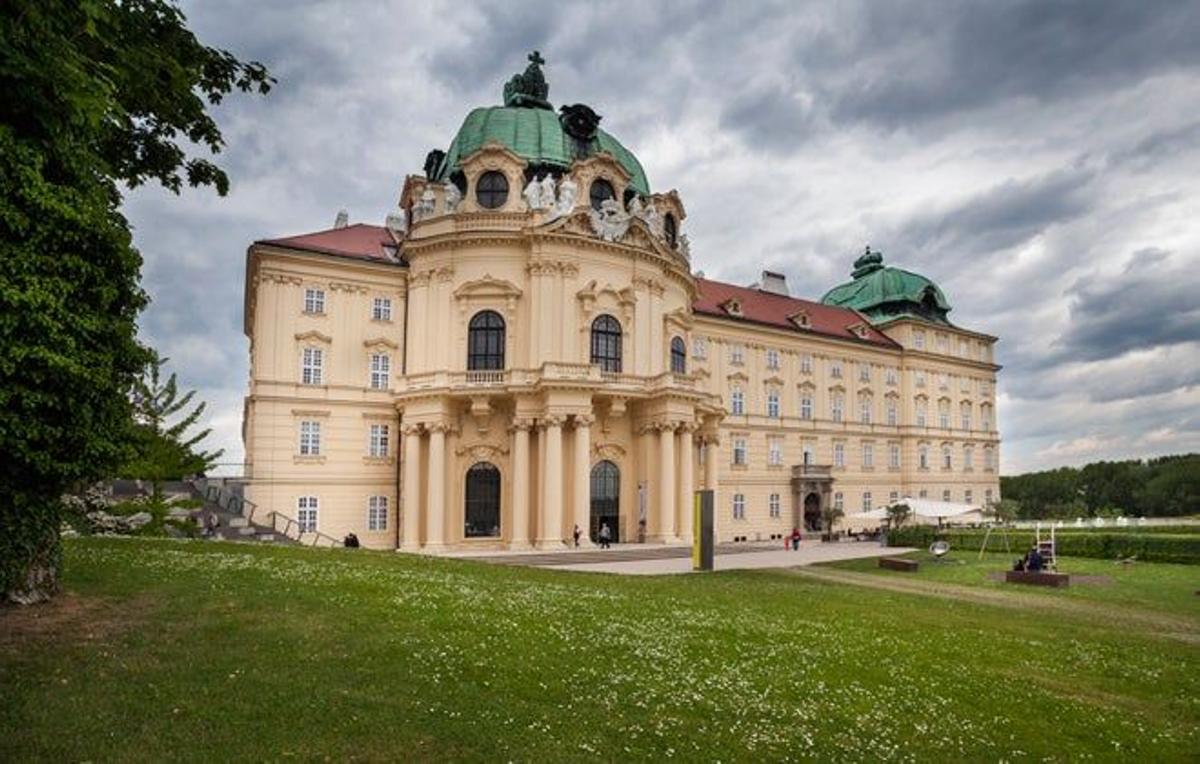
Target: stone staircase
x=225 y=501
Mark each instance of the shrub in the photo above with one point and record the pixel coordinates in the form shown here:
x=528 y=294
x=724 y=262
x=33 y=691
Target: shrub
x=1102 y=544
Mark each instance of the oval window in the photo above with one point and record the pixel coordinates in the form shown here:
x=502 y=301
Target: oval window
x=491 y=190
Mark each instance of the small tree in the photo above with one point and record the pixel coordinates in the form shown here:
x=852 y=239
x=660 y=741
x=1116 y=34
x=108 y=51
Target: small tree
x=1005 y=510
x=829 y=516
x=898 y=515
x=163 y=450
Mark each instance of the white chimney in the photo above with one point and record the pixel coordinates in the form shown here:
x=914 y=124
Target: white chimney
x=342 y=220
x=775 y=283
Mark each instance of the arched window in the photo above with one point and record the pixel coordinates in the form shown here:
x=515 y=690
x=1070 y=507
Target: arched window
x=606 y=343
x=482 y=511
x=491 y=190
x=601 y=191
x=670 y=229
x=485 y=341
x=606 y=493
x=678 y=356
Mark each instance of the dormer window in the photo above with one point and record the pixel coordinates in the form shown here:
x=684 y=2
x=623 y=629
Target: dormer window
x=860 y=330
x=601 y=192
x=732 y=306
x=670 y=230
x=491 y=190
x=801 y=319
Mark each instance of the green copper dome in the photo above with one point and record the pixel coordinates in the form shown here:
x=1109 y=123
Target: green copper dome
x=527 y=125
x=884 y=293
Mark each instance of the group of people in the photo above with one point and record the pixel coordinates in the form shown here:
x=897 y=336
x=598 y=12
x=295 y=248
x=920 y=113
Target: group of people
x=1032 y=561
x=604 y=536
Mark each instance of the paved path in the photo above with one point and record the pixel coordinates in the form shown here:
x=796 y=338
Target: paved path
x=810 y=552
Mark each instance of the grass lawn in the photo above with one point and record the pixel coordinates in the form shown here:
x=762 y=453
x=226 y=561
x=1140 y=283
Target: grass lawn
x=1150 y=586
x=210 y=651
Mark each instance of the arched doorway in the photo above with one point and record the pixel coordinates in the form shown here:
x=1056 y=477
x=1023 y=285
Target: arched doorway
x=606 y=501
x=812 y=512
x=482 y=510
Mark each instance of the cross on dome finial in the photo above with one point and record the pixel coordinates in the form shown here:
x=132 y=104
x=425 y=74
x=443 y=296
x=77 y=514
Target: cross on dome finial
x=529 y=88
x=868 y=262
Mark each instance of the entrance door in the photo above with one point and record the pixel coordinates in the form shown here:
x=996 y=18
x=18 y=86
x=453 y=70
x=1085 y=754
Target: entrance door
x=606 y=507
x=812 y=512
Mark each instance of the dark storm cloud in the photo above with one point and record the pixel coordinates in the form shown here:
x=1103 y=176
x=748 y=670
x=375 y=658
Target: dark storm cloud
x=973 y=55
x=1147 y=306
x=1003 y=216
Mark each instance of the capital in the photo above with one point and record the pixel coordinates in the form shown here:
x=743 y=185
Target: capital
x=551 y=420
x=522 y=424
x=584 y=420
x=411 y=429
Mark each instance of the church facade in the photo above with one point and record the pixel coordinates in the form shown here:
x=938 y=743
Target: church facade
x=524 y=348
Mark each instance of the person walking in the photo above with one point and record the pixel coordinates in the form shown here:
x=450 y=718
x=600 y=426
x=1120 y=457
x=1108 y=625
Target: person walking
x=795 y=539
x=576 y=535
x=605 y=535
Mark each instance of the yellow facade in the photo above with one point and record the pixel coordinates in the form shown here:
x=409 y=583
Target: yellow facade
x=341 y=441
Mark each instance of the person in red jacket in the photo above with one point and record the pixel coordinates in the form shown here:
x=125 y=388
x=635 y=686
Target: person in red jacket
x=795 y=539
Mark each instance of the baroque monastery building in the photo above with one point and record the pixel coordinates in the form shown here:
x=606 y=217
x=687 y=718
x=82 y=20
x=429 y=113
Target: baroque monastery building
x=524 y=348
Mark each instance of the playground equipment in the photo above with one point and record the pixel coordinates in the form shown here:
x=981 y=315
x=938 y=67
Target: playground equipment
x=939 y=549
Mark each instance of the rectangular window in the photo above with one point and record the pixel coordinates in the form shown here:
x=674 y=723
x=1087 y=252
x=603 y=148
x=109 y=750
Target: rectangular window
x=866 y=501
x=306 y=513
x=893 y=497
x=314 y=300
x=772 y=359
x=946 y=495
x=920 y=414
x=923 y=457
x=311 y=366
x=924 y=494
x=736 y=353
x=380 y=435
x=836 y=408
x=806 y=406
x=739 y=506
x=894 y=456
x=806 y=364
x=773 y=404
x=864 y=372
x=310 y=438
x=868 y=456
x=381 y=309
x=739 y=451
x=839 y=455
x=943 y=382
x=891 y=376
x=864 y=409
x=968 y=458
x=942 y=343
x=987 y=497
x=377 y=513
x=966 y=419
x=835 y=369
x=920 y=378
x=989 y=459
x=773 y=505
x=947 y=458
x=774 y=452
x=965 y=384
x=381 y=367
x=892 y=414
x=737 y=402
x=838 y=502
x=699 y=347
x=968 y=496
x=919 y=340
x=808 y=454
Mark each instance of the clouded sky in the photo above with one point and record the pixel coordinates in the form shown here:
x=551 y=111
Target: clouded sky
x=1039 y=160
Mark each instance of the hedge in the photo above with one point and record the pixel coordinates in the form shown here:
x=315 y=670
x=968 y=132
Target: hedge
x=1100 y=544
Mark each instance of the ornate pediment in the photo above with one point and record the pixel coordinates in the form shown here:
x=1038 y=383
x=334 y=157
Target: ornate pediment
x=732 y=306
x=313 y=336
x=773 y=381
x=380 y=342
x=488 y=286
x=610 y=451
x=482 y=452
x=738 y=376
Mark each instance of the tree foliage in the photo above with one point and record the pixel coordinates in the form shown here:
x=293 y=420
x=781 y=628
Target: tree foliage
x=162 y=446
x=96 y=94
x=1160 y=487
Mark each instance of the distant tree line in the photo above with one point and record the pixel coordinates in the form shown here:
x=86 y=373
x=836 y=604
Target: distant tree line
x=1167 y=486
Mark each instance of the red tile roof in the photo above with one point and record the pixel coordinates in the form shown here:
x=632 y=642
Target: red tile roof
x=362 y=241
x=770 y=309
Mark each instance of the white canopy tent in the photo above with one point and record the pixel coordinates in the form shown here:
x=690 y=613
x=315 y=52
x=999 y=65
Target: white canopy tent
x=946 y=512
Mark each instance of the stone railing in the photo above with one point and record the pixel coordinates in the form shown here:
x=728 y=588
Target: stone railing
x=812 y=471
x=550 y=372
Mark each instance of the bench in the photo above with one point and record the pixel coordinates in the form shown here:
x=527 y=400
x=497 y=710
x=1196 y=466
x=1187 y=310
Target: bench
x=899 y=563
x=1037 y=578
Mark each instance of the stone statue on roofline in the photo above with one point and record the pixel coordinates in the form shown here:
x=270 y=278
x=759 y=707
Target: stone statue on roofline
x=685 y=247
x=452 y=197
x=548 y=199
x=533 y=194
x=528 y=88
x=611 y=221
x=568 y=193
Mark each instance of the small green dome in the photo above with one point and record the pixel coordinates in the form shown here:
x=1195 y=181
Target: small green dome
x=884 y=293
x=527 y=125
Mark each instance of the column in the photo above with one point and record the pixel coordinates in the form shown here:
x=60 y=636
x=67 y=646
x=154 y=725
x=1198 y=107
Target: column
x=412 y=487
x=582 y=476
x=666 y=482
x=687 y=486
x=520 y=485
x=552 y=484
x=435 y=532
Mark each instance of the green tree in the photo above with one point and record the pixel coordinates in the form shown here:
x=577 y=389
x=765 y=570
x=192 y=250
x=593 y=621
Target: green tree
x=96 y=94
x=830 y=514
x=163 y=449
x=898 y=515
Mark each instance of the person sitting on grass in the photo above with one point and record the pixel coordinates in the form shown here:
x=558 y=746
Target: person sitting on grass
x=1021 y=562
